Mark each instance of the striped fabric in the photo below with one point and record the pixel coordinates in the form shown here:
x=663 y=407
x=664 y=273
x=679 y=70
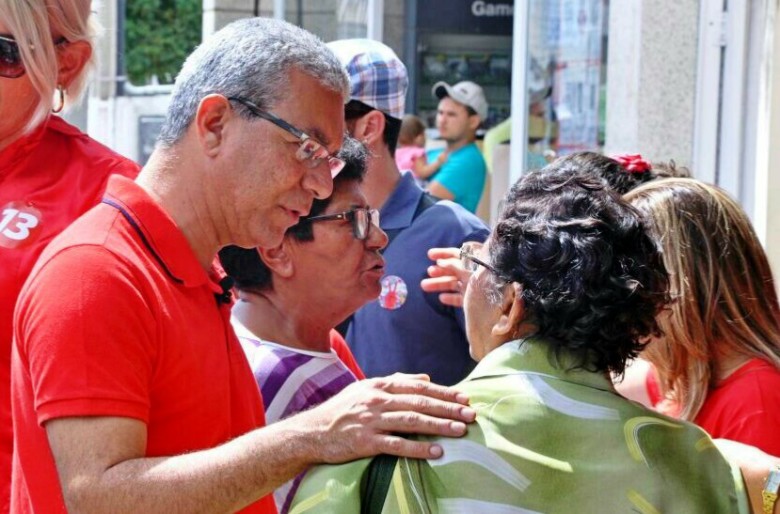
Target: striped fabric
x=291 y=380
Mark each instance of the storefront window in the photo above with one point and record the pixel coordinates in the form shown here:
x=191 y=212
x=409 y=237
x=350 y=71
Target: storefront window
x=351 y=19
x=567 y=47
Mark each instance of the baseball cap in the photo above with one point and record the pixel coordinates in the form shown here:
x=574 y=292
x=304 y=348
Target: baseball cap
x=466 y=93
x=377 y=76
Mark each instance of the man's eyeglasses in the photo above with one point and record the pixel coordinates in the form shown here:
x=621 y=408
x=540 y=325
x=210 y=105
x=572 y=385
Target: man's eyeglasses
x=310 y=152
x=470 y=262
x=11 y=65
x=361 y=218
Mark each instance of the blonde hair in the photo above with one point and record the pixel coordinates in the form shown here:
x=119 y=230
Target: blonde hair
x=724 y=299
x=32 y=22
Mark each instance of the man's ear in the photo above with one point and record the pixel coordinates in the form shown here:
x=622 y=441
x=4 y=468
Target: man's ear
x=512 y=311
x=278 y=259
x=210 y=119
x=369 y=128
x=71 y=59
x=474 y=121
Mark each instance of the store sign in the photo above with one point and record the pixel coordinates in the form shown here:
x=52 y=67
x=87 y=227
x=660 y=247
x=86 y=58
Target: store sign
x=466 y=16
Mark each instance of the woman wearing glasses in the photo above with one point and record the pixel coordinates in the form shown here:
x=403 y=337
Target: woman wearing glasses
x=291 y=297
x=50 y=172
x=562 y=294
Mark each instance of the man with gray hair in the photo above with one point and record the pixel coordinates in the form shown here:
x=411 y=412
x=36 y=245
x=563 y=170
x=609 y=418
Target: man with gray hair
x=131 y=392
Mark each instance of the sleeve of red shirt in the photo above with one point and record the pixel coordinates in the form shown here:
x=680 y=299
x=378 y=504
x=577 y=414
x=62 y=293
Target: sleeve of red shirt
x=345 y=354
x=757 y=429
x=83 y=357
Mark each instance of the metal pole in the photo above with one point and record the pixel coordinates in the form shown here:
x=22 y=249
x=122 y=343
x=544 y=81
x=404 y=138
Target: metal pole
x=519 y=108
x=279 y=9
x=375 y=21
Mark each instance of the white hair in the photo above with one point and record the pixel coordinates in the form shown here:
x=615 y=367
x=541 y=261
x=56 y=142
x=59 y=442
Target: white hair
x=251 y=58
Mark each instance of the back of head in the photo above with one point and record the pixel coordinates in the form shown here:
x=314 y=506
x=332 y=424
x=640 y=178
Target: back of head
x=632 y=171
x=249 y=58
x=32 y=23
x=412 y=127
x=378 y=80
x=725 y=299
x=592 y=280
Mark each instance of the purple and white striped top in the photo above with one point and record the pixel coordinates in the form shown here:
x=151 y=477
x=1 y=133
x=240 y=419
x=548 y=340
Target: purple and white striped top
x=291 y=380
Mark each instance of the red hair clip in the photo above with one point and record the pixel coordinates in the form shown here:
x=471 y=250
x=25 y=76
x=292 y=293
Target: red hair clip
x=633 y=163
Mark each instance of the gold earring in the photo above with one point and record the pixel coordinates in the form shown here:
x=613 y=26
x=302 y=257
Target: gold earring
x=61 y=104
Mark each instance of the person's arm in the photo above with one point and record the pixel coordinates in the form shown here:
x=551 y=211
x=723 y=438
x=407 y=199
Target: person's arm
x=755 y=466
x=424 y=170
x=439 y=191
x=102 y=468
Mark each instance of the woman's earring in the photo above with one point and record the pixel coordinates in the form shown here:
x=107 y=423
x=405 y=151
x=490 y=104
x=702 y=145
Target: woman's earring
x=61 y=103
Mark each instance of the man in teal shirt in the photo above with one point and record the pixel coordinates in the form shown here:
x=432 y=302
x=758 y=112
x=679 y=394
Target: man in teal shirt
x=462 y=108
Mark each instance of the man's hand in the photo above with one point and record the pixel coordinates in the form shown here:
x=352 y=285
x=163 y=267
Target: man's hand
x=365 y=418
x=447 y=276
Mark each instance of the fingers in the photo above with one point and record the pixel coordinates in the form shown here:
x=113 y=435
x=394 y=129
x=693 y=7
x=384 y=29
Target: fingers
x=443 y=253
x=447 y=283
x=422 y=415
x=451 y=299
x=394 y=445
x=401 y=386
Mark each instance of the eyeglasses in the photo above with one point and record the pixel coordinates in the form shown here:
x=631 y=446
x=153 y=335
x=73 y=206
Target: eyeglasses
x=469 y=262
x=310 y=152
x=361 y=218
x=11 y=65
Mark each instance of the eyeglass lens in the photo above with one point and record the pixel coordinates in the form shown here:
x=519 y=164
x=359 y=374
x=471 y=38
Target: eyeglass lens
x=313 y=153
x=467 y=252
x=362 y=219
x=10 y=60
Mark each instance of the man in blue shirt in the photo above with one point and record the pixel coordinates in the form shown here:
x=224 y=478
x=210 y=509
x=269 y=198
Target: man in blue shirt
x=406 y=330
x=462 y=108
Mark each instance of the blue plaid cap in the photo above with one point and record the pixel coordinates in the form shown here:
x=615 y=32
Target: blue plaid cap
x=377 y=75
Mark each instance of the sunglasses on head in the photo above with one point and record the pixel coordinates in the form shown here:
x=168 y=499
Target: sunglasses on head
x=11 y=65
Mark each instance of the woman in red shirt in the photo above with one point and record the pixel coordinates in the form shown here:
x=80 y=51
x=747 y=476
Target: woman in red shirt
x=50 y=172
x=718 y=361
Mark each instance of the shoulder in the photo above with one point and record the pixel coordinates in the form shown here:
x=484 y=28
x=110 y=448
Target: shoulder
x=470 y=154
x=96 y=156
x=449 y=221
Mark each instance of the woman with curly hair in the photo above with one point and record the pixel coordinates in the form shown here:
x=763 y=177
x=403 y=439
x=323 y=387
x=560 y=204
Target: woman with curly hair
x=718 y=361
x=564 y=292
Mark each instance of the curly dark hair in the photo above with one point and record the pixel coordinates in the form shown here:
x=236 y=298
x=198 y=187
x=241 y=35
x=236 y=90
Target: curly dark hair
x=245 y=266
x=621 y=180
x=592 y=279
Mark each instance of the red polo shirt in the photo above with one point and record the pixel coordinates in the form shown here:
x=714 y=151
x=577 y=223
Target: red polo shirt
x=47 y=179
x=118 y=318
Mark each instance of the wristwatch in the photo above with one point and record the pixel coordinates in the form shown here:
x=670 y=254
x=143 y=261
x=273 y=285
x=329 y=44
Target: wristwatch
x=771 y=487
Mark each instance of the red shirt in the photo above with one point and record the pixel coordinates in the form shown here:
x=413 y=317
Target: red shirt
x=745 y=407
x=345 y=354
x=47 y=179
x=119 y=319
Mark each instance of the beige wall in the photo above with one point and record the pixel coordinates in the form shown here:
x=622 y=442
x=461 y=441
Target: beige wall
x=651 y=79
x=767 y=184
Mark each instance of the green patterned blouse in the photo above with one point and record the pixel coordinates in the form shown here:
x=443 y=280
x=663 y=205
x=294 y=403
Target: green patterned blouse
x=546 y=440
